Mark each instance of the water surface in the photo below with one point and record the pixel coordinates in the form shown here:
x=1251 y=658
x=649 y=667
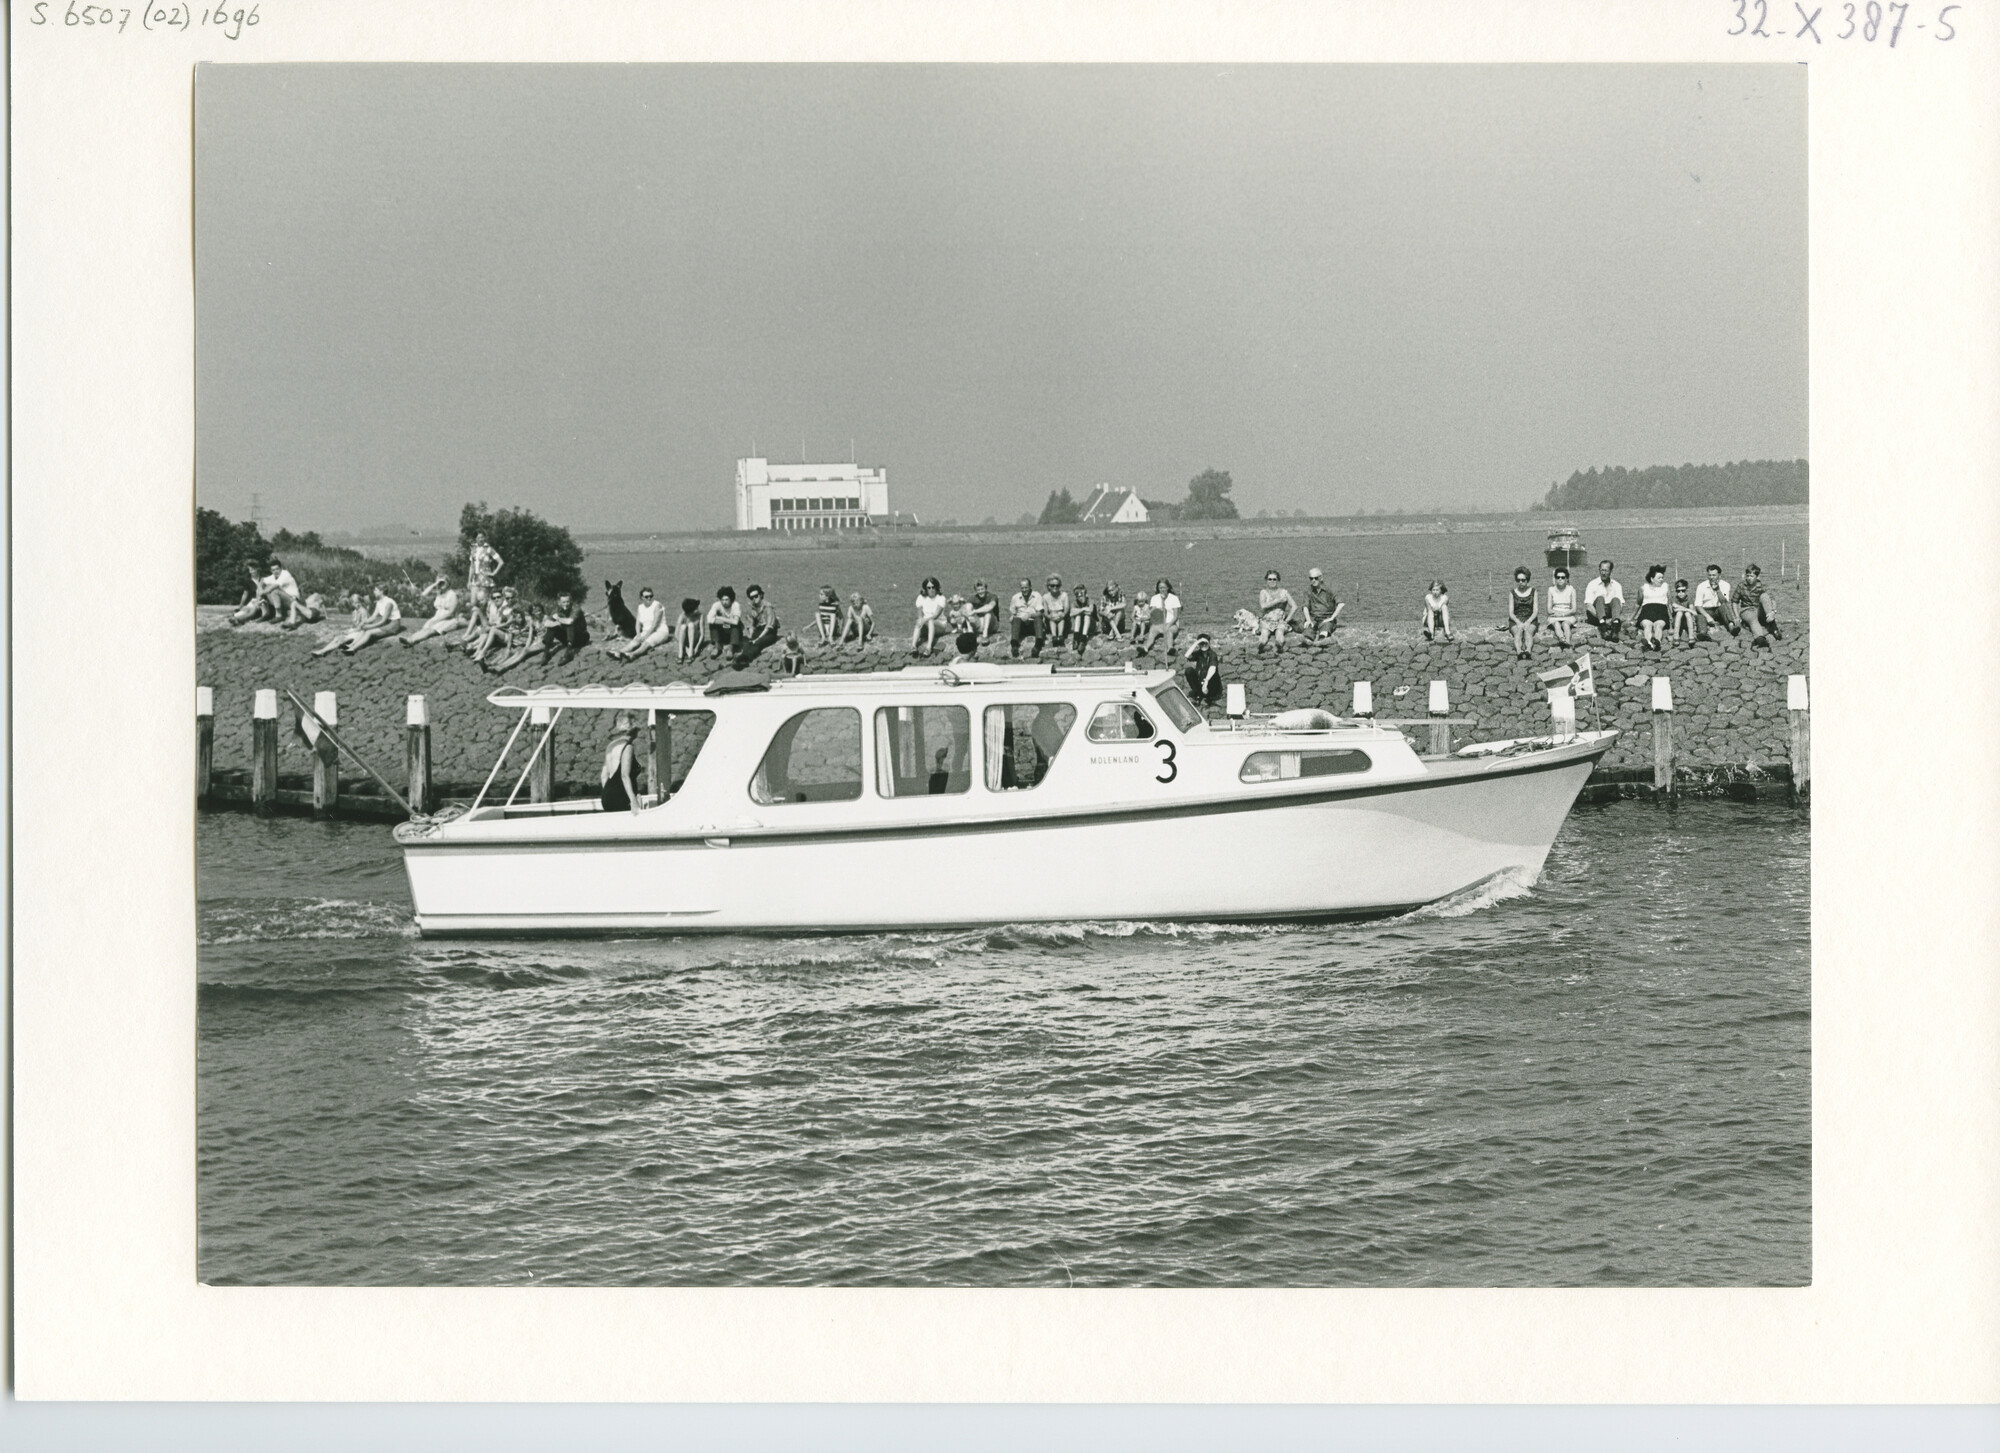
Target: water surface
x=1599 y=1080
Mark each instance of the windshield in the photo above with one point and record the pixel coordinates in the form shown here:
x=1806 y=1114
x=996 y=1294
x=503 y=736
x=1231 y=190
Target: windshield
x=1173 y=701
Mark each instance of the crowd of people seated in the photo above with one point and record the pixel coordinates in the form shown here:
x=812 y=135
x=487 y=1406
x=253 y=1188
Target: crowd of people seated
x=1667 y=614
x=501 y=630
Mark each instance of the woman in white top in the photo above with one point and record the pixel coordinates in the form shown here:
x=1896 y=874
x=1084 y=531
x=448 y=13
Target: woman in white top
x=1163 y=613
x=1436 y=619
x=1562 y=607
x=930 y=614
x=650 y=628
x=1654 y=598
x=386 y=619
x=444 y=613
x=725 y=624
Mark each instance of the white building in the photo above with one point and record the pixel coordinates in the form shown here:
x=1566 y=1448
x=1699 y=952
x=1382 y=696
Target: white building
x=810 y=496
x=1108 y=506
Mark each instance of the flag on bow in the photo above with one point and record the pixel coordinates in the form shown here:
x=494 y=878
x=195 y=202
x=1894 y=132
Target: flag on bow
x=1583 y=683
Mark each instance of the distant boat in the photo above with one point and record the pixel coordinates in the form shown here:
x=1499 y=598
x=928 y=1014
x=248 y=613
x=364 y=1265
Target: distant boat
x=1565 y=550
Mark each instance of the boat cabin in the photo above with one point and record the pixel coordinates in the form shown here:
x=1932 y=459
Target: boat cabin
x=982 y=740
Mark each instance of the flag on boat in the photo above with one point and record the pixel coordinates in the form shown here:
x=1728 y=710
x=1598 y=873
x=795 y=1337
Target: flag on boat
x=1583 y=683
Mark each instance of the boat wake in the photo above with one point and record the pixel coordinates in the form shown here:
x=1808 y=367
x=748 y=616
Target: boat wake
x=1500 y=887
x=264 y=920
x=1015 y=935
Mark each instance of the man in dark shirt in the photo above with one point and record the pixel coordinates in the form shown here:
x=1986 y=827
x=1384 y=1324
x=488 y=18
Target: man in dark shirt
x=1322 y=610
x=760 y=627
x=1757 y=607
x=564 y=630
x=1204 y=672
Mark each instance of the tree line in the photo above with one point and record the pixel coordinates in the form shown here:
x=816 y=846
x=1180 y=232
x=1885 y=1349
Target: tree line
x=1207 y=499
x=542 y=560
x=1666 y=486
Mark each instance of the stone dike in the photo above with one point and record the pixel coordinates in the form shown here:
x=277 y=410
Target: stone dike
x=1730 y=716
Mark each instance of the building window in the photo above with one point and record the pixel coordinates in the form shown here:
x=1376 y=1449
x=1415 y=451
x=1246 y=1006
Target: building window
x=923 y=750
x=1022 y=742
x=815 y=757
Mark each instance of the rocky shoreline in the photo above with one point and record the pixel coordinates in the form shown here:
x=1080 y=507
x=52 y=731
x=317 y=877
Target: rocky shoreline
x=1730 y=718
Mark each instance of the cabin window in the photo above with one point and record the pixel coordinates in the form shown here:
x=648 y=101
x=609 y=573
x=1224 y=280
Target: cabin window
x=1277 y=766
x=923 y=750
x=1022 y=742
x=1120 y=721
x=815 y=757
x=1174 y=702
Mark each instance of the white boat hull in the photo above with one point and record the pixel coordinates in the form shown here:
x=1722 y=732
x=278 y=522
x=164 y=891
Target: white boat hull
x=1334 y=853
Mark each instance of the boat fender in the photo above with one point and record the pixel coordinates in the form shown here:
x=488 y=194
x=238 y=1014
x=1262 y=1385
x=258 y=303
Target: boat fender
x=1305 y=719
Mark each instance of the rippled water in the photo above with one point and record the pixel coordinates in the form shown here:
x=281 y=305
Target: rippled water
x=1602 y=1079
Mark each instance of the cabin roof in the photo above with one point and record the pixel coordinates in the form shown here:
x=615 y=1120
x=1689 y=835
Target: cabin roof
x=692 y=696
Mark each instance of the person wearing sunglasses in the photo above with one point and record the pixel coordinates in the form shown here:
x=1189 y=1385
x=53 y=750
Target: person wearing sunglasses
x=760 y=628
x=650 y=628
x=1025 y=619
x=1275 y=609
x=1055 y=608
x=1562 y=608
x=1683 y=612
x=1523 y=616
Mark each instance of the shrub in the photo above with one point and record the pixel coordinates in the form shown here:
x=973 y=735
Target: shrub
x=539 y=559
x=1061 y=509
x=221 y=549
x=1208 y=497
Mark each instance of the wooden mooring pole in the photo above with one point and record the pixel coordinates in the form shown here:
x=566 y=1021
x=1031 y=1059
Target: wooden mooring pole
x=1440 y=729
x=542 y=771
x=326 y=756
x=204 y=739
x=659 y=754
x=1663 y=738
x=1795 y=701
x=1364 y=699
x=264 y=752
x=417 y=753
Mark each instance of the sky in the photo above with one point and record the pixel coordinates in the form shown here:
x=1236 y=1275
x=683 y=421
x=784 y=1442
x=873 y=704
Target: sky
x=588 y=290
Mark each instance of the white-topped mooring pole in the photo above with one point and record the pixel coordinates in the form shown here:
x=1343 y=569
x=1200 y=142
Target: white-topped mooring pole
x=1236 y=699
x=264 y=751
x=417 y=752
x=1663 y=737
x=326 y=756
x=1795 y=702
x=1364 y=699
x=1562 y=709
x=204 y=739
x=542 y=771
x=1440 y=729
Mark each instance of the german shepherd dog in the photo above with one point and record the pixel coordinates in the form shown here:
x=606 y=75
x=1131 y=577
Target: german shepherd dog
x=621 y=613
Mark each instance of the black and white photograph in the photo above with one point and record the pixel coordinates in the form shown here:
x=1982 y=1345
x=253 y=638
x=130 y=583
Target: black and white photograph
x=1084 y=676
